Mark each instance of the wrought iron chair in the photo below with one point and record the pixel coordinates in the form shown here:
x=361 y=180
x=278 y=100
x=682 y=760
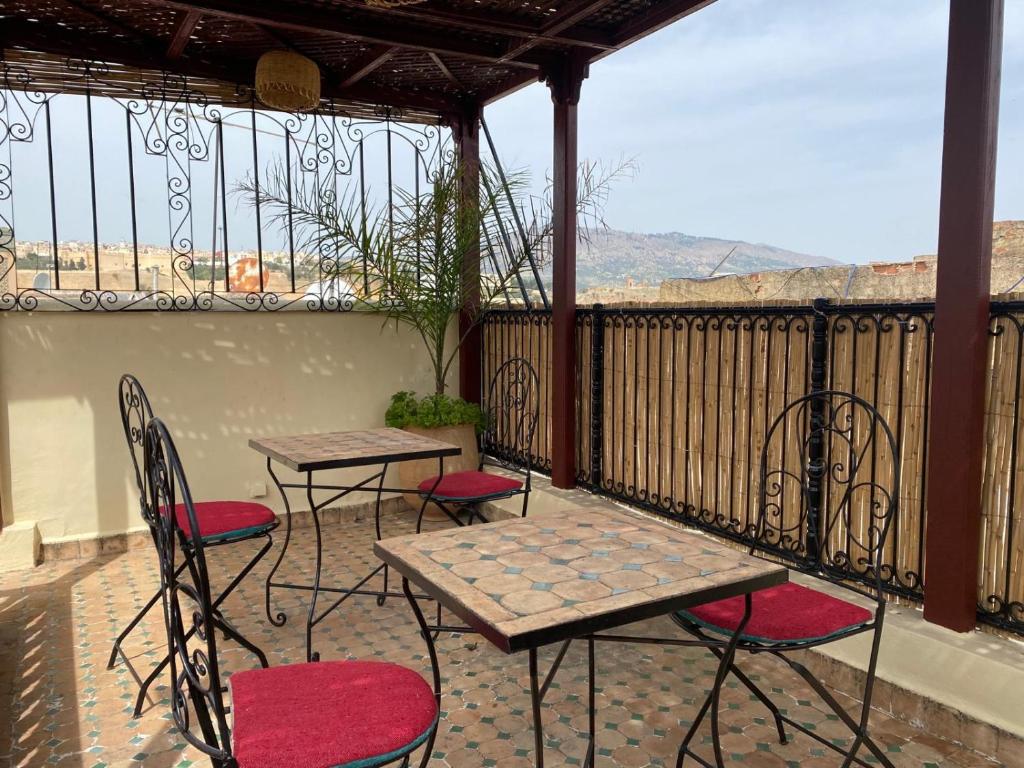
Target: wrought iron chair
x=312 y=715
x=220 y=522
x=511 y=413
x=829 y=490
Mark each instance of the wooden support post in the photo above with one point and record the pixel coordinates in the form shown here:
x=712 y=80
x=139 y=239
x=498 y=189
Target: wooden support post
x=564 y=79
x=466 y=127
x=957 y=429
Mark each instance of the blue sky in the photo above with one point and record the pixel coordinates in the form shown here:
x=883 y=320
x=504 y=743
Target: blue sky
x=814 y=126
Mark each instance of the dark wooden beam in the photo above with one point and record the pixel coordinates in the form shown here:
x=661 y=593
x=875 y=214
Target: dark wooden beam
x=111 y=21
x=564 y=80
x=37 y=37
x=324 y=22
x=466 y=128
x=656 y=17
x=509 y=85
x=956 y=434
x=186 y=25
x=440 y=64
x=489 y=22
x=365 y=64
x=570 y=14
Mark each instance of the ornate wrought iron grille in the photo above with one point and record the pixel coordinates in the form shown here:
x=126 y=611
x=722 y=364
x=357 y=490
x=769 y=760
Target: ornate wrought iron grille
x=674 y=403
x=170 y=148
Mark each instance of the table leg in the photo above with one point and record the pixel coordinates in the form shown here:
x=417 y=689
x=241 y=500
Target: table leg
x=592 y=704
x=376 y=520
x=281 y=617
x=311 y=615
x=538 y=723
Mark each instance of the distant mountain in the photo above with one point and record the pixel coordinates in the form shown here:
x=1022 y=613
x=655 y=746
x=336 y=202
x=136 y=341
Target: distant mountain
x=612 y=256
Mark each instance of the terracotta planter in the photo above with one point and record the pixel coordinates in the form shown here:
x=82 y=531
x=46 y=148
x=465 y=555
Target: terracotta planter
x=412 y=473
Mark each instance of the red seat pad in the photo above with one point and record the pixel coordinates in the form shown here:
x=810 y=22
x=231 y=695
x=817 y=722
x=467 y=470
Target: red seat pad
x=470 y=485
x=786 y=613
x=328 y=713
x=218 y=519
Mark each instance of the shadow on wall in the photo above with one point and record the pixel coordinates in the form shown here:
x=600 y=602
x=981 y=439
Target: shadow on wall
x=217 y=379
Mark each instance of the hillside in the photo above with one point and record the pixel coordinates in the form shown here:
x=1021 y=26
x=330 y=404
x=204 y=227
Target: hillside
x=612 y=256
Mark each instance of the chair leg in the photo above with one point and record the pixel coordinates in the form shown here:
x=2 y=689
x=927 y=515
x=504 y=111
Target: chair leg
x=135 y=622
x=858 y=728
x=140 y=700
x=435 y=668
x=726 y=656
x=683 y=748
x=231 y=633
x=759 y=694
x=746 y=681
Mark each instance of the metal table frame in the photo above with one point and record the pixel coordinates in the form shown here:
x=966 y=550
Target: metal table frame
x=372 y=484
x=595 y=629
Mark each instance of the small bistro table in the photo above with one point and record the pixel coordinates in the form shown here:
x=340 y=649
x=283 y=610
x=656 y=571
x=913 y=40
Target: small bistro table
x=554 y=578
x=312 y=453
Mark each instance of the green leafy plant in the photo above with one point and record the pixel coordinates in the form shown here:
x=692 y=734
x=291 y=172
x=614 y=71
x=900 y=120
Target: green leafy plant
x=437 y=410
x=417 y=256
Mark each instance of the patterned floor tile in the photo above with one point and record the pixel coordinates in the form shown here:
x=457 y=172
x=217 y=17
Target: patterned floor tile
x=66 y=709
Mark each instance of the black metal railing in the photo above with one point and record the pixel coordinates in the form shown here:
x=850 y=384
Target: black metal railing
x=149 y=191
x=674 y=403
x=143 y=215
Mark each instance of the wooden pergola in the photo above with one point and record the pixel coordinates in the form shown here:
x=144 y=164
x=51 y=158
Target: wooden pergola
x=447 y=59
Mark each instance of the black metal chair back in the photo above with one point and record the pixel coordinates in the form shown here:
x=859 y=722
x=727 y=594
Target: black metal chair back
x=196 y=696
x=136 y=413
x=511 y=413
x=829 y=489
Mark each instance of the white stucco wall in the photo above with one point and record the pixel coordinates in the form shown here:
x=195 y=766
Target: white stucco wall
x=216 y=378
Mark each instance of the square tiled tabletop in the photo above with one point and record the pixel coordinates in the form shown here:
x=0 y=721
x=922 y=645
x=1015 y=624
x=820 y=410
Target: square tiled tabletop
x=531 y=581
x=331 y=450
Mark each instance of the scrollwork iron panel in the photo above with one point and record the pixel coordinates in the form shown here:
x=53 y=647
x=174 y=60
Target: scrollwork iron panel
x=1001 y=563
x=168 y=121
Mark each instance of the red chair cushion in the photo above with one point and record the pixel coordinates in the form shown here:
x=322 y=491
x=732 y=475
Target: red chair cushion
x=223 y=519
x=328 y=713
x=470 y=485
x=786 y=613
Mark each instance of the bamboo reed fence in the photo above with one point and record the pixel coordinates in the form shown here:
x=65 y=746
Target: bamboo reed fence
x=675 y=402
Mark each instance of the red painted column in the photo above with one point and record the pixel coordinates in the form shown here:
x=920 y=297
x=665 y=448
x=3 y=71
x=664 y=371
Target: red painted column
x=957 y=429
x=466 y=127
x=565 y=81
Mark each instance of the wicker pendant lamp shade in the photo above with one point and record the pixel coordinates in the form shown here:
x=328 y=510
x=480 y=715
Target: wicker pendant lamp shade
x=287 y=81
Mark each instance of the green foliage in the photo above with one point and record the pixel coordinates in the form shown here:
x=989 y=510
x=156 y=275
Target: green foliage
x=437 y=410
x=419 y=250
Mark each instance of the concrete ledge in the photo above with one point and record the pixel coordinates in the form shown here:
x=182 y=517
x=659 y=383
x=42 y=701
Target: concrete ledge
x=966 y=687
x=117 y=543
x=19 y=546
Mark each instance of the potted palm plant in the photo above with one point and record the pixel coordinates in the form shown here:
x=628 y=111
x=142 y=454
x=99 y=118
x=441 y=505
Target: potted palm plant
x=412 y=255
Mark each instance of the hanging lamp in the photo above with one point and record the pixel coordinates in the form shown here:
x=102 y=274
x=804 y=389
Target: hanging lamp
x=287 y=81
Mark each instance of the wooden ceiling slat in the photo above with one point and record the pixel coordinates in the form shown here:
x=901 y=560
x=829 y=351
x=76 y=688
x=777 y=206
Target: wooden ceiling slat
x=440 y=64
x=572 y=13
x=439 y=55
x=309 y=20
x=186 y=26
x=657 y=16
x=374 y=57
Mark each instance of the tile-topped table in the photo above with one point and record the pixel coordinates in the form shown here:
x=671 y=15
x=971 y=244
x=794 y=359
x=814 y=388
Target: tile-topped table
x=312 y=453
x=530 y=582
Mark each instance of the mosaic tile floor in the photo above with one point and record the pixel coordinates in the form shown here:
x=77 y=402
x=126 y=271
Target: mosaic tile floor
x=59 y=705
